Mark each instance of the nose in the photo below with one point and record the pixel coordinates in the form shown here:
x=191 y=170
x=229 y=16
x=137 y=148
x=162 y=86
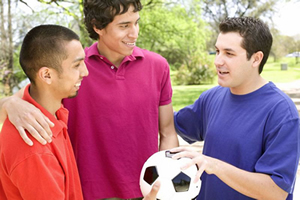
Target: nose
x=134 y=31
x=218 y=60
x=84 y=70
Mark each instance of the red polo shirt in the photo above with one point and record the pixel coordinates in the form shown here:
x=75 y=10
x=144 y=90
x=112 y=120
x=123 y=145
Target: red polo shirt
x=38 y=172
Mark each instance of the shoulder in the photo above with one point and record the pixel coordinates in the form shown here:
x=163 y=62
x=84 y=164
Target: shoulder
x=281 y=102
x=13 y=150
x=215 y=92
x=149 y=56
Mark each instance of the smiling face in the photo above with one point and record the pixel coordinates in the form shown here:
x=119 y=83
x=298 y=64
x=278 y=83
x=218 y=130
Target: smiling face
x=67 y=82
x=234 y=69
x=118 y=38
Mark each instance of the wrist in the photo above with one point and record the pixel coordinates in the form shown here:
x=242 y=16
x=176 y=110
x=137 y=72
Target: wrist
x=4 y=105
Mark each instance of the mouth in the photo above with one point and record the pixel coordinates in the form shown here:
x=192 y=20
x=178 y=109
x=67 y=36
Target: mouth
x=132 y=44
x=77 y=84
x=223 y=72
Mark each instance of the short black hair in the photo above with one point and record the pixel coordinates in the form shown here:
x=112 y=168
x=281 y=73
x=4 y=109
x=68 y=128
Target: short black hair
x=100 y=13
x=43 y=46
x=256 y=35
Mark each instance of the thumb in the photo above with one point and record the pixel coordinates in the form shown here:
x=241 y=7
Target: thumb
x=152 y=194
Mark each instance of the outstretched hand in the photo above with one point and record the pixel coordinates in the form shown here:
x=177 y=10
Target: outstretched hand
x=152 y=194
x=25 y=116
x=203 y=162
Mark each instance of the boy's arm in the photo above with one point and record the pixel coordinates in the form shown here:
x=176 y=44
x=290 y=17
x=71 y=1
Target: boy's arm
x=25 y=116
x=168 y=135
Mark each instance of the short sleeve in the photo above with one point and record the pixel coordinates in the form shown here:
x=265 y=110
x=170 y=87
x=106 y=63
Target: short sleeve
x=166 y=88
x=281 y=156
x=39 y=176
x=188 y=122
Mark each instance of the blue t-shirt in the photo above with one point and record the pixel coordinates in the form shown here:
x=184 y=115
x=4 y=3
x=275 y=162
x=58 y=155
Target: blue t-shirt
x=257 y=132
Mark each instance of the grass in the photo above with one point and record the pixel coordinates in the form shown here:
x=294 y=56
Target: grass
x=272 y=71
x=186 y=95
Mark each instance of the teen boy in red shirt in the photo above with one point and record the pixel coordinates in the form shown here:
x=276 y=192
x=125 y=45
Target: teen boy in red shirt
x=53 y=59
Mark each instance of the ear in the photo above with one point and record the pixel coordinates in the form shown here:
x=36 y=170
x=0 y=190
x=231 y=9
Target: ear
x=98 y=31
x=45 y=75
x=257 y=58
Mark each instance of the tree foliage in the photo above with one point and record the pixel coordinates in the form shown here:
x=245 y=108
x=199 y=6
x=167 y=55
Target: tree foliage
x=173 y=28
x=216 y=11
x=179 y=34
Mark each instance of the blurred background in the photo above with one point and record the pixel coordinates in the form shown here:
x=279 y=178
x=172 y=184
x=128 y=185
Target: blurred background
x=183 y=31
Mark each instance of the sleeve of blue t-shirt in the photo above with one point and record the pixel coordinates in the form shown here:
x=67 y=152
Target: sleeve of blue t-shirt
x=282 y=149
x=188 y=122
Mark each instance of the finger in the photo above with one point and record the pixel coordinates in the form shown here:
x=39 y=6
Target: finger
x=182 y=154
x=177 y=149
x=43 y=127
x=188 y=164
x=38 y=131
x=35 y=134
x=24 y=136
x=153 y=192
x=199 y=173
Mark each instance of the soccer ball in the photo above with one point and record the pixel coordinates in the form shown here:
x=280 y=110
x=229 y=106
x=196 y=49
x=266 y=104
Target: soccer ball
x=175 y=184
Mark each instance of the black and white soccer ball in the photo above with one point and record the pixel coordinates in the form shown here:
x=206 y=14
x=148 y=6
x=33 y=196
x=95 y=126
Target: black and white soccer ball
x=175 y=184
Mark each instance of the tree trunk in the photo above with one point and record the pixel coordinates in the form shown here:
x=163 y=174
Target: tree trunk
x=3 y=33
x=10 y=59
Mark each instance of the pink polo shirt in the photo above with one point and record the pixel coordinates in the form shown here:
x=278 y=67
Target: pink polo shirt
x=38 y=172
x=113 y=122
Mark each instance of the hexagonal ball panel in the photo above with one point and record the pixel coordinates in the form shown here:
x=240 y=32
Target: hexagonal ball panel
x=150 y=175
x=181 y=182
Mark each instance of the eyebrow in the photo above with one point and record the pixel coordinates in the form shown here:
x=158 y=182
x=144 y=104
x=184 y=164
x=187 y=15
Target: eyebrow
x=226 y=49
x=128 y=22
x=78 y=59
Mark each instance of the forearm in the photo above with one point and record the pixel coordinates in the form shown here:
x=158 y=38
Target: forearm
x=254 y=185
x=3 y=113
x=168 y=136
x=4 y=102
x=168 y=141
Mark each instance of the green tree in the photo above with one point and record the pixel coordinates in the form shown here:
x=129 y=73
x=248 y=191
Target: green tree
x=179 y=34
x=215 y=11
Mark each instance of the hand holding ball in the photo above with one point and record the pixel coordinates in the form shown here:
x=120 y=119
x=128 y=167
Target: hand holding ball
x=175 y=184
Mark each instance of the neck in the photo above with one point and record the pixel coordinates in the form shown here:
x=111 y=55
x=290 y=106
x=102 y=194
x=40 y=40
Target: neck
x=44 y=97
x=113 y=57
x=250 y=86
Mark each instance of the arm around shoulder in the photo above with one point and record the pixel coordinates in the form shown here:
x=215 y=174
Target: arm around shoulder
x=25 y=116
x=5 y=103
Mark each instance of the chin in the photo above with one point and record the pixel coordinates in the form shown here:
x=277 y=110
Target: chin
x=72 y=96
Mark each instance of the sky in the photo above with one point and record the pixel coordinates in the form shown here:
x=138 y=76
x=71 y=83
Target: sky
x=287 y=19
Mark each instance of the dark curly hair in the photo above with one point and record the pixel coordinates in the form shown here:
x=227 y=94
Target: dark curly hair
x=100 y=13
x=256 y=35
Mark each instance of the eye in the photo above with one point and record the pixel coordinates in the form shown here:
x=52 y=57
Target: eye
x=124 y=26
x=229 y=53
x=217 y=52
x=77 y=65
